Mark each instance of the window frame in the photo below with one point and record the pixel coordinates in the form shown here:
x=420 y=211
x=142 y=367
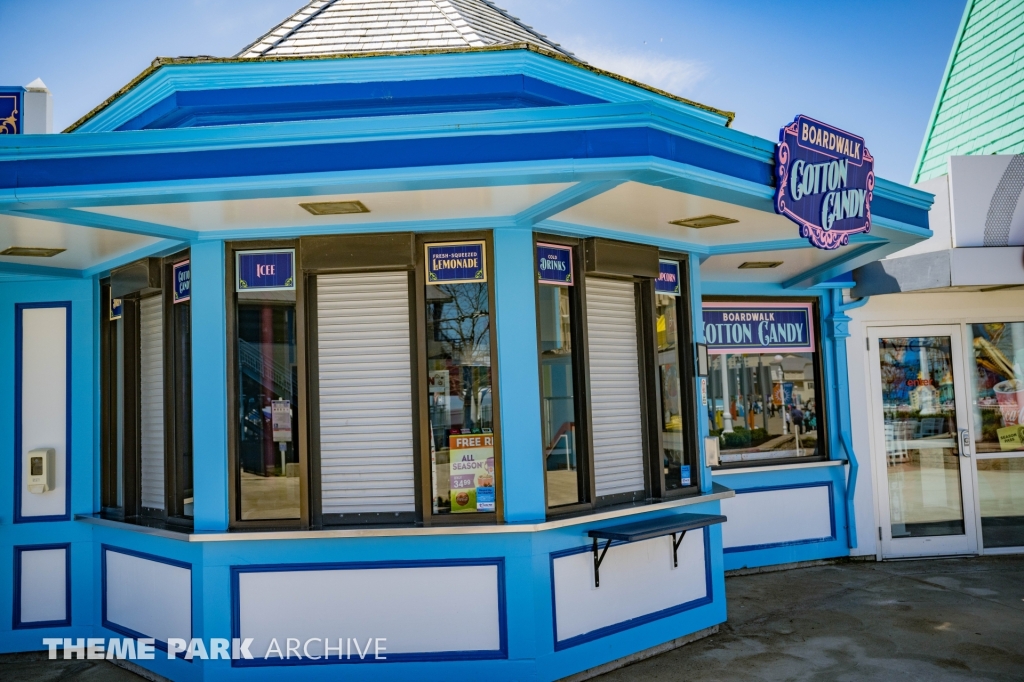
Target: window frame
x=421 y=413
x=687 y=356
x=235 y=521
x=130 y=483
x=820 y=395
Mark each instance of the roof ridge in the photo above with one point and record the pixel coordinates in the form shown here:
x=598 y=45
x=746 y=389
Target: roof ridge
x=312 y=15
x=526 y=27
x=444 y=13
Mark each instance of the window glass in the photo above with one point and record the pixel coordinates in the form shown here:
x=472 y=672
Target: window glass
x=181 y=321
x=558 y=408
x=1001 y=498
x=676 y=467
x=268 y=444
x=763 y=406
x=998 y=386
x=458 y=331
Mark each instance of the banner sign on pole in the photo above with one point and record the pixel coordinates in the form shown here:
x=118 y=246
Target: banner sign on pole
x=181 y=273
x=554 y=264
x=668 y=278
x=456 y=263
x=267 y=270
x=825 y=179
x=758 y=327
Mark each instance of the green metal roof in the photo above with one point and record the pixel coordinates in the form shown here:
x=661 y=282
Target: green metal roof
x=980 y=105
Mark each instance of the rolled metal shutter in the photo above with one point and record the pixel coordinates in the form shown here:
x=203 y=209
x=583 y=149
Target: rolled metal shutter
x=366 y=429
x=151 y=400
x=614 y=386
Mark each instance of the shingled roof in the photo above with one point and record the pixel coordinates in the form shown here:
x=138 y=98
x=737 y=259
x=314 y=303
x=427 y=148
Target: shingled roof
x=326 y=27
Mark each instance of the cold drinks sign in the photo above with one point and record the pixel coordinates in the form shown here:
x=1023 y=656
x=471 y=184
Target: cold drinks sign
x=825 y=178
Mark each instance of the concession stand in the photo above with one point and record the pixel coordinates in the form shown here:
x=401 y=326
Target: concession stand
x=423 y=335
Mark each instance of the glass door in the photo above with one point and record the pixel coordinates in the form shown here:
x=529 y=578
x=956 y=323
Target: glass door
x=922 y=442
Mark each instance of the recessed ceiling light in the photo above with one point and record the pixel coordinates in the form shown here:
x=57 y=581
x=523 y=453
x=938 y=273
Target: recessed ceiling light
x=31 y=251
x=335 y=207
x=703 y=221
x=756 y=264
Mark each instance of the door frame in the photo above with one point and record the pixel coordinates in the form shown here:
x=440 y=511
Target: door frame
x=969 y=542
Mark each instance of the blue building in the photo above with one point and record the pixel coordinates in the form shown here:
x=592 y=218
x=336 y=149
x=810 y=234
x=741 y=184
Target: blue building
x=382 y=347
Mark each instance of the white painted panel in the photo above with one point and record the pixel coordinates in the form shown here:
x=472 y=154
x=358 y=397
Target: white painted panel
x=614 y=386
x=775 y=516
x=151 y=400
x=149 y=597
x=429 y=609
x=637 y=579
x=366 y=442
x=44 y=403
x=43 y=585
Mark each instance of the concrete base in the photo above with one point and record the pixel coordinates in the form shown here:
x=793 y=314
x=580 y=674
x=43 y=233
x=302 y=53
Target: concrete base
x=641 y=655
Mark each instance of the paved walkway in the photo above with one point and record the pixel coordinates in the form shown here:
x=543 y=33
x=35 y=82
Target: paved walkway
x=934 y=621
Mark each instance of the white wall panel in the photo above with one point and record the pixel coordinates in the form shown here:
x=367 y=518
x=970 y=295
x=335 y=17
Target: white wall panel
x=148 y=596
x=427 y=609
x=637 y=579
x=771 y=517
x=44 y=403
x=43 y=585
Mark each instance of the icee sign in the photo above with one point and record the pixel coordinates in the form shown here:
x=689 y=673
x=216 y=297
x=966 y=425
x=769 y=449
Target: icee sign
x=758 y=328
x=825 y=179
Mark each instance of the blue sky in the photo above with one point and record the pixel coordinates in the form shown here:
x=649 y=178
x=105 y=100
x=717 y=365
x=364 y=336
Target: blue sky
x=869 y=66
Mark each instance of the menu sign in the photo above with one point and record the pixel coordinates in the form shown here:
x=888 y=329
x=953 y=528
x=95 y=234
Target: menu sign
x=668 y=278
x=265 y=270
x=471 y=472
x=554 y=264
x=181 y=273
x=456 y=263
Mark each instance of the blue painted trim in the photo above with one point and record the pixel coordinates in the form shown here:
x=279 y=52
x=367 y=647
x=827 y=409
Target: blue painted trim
x=566 y=199
x=126 y=631
x=17 y=623
x=172 y=78
x=781 y=245
x=791 y=543
x=38 y=270
x=839 y=331
x=561 y=645
x=576 y=230
x=164 y=247
x=19 y=308
x=500 y=653
x=844 y=263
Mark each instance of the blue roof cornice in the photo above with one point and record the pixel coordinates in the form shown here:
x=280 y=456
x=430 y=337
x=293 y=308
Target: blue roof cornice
x=170 y=76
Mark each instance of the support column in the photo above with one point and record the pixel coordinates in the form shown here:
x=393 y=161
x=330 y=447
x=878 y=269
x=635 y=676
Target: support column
x=697 y=317
x=210 y=422
x=518 y=379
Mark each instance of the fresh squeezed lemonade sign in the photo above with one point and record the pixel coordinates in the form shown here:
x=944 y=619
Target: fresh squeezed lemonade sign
x=471 y=472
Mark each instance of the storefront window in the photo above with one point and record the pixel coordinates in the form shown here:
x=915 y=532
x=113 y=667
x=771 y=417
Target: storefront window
x=764 y=406
x=998 y=386
x=181 y=368
x=462 y=443
x=267 y=379
x=558 y=395
x=1001 y=498
x=678 y=473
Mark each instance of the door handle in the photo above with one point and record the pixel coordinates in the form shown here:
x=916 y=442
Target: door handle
x=965 y=443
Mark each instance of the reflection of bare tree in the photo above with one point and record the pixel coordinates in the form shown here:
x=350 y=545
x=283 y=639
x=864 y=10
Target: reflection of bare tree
x=461 y=323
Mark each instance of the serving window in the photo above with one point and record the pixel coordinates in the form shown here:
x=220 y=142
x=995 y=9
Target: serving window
x=363 y=381
x=616 y=374
x=146 y=392
x=765 y=402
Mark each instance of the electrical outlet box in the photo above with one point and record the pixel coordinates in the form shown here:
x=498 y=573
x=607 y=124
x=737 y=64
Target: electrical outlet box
x=711 y=451
x=41 y=466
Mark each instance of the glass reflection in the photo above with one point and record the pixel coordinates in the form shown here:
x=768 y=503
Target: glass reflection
x=1001 y=498
x=922 y=457
x=677 y=469
x=998 y=386
x=558 y=407
x=459 y=398
x=268 y=444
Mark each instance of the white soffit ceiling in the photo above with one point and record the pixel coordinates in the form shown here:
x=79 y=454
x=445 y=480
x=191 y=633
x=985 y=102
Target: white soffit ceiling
x=385 y=207
x=85 y=246
x=726 y=268
x=646 y=209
